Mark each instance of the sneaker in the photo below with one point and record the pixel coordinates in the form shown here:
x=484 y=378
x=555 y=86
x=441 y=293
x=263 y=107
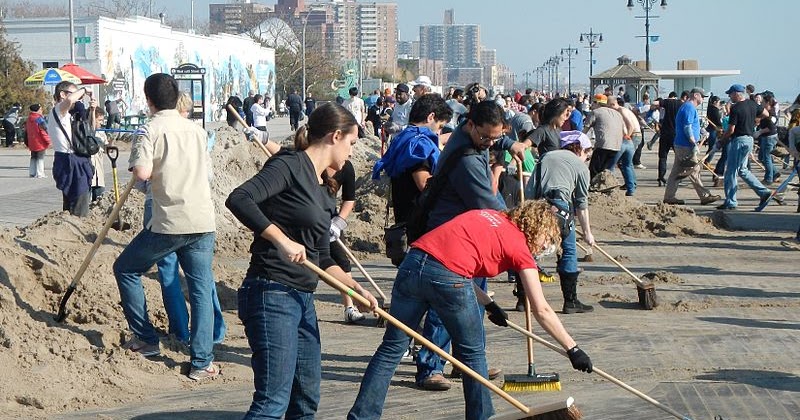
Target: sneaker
x=494 y=373
x=673 y=201
x=794 y=245
x=138 y=346
x=209 y=372
x=726 y=207
x=718 y=182
x=640 y=166
x=436 y=382
x=710 y=199
x=351 y=315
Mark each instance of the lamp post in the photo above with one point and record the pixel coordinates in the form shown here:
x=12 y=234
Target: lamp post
x=569 y=52
x=592 y=39
x=71 y=34
x=526 y=74
x=303 y=57
x=647 y=5
x=556 y=60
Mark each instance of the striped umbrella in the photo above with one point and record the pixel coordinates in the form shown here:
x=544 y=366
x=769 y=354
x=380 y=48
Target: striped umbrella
x=50 y=77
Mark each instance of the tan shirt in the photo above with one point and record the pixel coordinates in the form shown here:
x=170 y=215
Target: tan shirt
x=176 y=148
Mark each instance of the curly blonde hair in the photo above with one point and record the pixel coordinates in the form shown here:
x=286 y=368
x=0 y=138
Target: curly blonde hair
x=536 y=220
x=185 y=102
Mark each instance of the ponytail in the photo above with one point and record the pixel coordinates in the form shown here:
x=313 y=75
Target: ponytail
x=301 y=139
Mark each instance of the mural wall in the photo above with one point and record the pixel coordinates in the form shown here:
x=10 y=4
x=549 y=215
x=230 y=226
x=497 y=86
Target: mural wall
x=132 y=50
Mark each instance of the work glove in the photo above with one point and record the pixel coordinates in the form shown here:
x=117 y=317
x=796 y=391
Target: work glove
x=496 y=314
x=580 y=360
x=337 y=226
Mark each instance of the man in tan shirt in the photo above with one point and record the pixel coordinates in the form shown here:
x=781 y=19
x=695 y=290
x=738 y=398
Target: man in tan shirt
x=170 y=152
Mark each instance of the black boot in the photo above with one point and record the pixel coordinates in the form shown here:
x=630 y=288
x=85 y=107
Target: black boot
x=662 y=171
x=519 y=292
x=569 y=286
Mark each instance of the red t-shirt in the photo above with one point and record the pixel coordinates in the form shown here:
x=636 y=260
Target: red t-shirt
x=478 y=243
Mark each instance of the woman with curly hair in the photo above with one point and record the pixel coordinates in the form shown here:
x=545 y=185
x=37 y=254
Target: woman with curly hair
x=437 y=274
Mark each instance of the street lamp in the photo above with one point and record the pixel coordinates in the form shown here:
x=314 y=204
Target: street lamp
x=526 y=74
x=305 y=23
x=569 y=52
x=592 y=39
x=647 y=5
x=556 y=60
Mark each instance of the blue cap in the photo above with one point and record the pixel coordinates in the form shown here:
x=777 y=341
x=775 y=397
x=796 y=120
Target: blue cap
x=735 y=88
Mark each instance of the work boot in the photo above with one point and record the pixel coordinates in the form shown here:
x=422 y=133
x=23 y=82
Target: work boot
x=436 y=382
x=569 y=286
x=519 y=292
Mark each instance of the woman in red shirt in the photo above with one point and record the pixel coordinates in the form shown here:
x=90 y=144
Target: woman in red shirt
x=437 y=274
x=38 y=140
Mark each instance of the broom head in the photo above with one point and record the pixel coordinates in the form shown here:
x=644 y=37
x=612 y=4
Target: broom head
x=647 y=296
x=562 y=410
x=532 y=383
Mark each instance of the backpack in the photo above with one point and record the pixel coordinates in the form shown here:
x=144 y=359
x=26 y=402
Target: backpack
x=83 y=141
x=417 y=224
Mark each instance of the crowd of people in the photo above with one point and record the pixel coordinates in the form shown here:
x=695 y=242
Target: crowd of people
x=454 y=162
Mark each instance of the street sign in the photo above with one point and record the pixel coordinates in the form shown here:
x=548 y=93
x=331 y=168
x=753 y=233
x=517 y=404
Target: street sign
x=83 y=39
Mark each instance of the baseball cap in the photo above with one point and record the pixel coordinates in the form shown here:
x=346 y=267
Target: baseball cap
x=600 y=98
x=389 y=99
x=424 y=81
x=735 y=88
x=402 y=87
x=570 y=137
x=698 y=90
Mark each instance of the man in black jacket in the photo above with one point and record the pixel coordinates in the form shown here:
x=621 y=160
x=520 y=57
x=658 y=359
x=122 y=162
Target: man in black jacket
x=295 y=104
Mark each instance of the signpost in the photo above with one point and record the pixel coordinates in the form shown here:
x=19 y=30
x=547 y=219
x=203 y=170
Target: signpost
x=83 y=40
x=190 y=79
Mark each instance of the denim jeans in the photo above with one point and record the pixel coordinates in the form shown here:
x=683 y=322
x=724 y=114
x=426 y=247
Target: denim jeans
x=710 y=142
x=281 y=327
x=195 y=252
x=739 y=149
x=422 y=284
x=719 y=169
x=767 y=145
x=428 y=362
x=172 y=295
x=568 y=261
x=625 y=159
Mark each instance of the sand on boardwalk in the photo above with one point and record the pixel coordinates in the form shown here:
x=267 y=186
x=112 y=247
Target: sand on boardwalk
x=79 y=363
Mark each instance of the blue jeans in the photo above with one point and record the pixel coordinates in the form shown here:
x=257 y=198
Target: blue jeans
x=423 y=284
x=625 y=159
x=172 y=295
x=767 y=145
x=568 y=261
x=710 y=142
x=739 y=149
x=195 y=252
x=281 y=327
x=719 y=169
x=428 y=362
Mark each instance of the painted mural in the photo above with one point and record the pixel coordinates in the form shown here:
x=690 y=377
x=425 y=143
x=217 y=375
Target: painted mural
x=233 y=65
x=348 y=78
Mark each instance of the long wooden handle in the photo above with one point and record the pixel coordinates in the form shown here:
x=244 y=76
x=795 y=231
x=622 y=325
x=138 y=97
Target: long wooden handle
x=521 y=182
x=529 y=328
x=103 y=232
x=244 y=124
x=336 y=284
x=605 y=375
x=618 y=264
x=361 y=268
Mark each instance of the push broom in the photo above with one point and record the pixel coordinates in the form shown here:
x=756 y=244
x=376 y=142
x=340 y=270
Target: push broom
x=603 y=374
x=562 y=411
x=645 y=291
x=384 y=305
x=532 y=381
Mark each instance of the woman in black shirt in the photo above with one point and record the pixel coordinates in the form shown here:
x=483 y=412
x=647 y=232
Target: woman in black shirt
x=767 y=136
x=284 y=205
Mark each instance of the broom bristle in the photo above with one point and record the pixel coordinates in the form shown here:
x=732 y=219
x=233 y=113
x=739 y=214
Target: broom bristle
x=532 y=383
x=569 y=413
x=546 y=278
x=647 y=296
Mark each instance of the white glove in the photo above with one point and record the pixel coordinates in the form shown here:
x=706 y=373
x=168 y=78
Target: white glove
x=337 y=226
x=252 y=133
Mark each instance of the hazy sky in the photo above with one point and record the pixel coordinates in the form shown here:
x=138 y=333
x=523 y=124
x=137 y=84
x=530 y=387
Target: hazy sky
x=753 y=36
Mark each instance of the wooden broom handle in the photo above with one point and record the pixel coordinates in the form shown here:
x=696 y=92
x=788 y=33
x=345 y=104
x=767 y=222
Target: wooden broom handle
x=521 y=182
x=336 y=284
x=605 y=375
x=617 y=263
x=361 y=268
x=244 y=124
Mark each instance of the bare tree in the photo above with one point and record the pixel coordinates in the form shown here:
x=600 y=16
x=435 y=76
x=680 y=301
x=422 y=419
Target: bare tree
x=27 y=8
x=121 y=8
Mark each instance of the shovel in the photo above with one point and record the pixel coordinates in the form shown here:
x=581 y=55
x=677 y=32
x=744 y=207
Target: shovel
x=62 y=306
x=113 y=154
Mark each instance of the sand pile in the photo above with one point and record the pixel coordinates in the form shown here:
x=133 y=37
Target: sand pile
x=79 y=363
x=616 y=213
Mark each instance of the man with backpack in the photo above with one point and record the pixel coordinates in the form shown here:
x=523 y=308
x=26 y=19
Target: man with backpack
x=72 y=171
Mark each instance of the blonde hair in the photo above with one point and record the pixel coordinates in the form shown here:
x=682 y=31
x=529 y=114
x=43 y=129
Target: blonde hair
x=185 y=102
x=536 y=220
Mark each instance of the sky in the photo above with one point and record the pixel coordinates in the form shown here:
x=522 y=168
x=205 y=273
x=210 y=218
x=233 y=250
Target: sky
x=748 y=35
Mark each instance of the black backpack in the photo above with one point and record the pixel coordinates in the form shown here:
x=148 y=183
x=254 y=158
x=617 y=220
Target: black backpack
x=84 y=143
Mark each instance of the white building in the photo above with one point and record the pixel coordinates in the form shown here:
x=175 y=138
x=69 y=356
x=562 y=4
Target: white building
x=125 y=52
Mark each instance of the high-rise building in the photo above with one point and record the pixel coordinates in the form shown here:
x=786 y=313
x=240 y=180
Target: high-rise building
x=289 y=7
x=489 y=64
x=408 y=49
x=457 y=45
x=236 y=18
x=366 y=32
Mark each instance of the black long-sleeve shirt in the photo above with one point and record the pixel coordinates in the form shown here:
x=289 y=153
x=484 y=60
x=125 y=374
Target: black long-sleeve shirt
x=285 y=192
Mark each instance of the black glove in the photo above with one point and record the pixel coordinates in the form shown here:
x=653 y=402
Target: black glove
x=580 y=360
x=497 y=315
